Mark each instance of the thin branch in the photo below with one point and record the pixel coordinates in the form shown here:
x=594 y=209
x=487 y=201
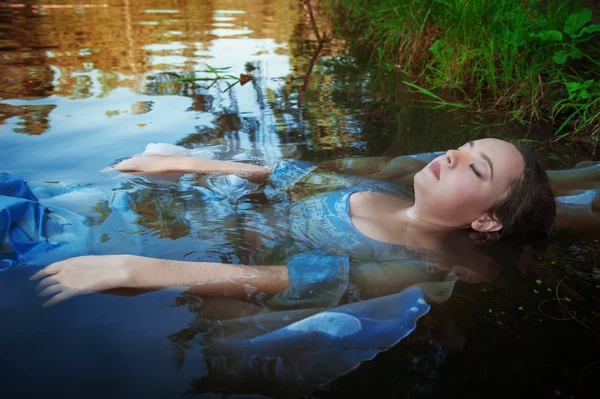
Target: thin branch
x=312 y=21
x=306 y=76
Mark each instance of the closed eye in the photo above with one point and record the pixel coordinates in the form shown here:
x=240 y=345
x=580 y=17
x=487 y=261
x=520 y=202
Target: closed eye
x=475 y=171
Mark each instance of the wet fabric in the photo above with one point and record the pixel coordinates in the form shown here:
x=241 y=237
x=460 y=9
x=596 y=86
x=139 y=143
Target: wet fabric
x=319 y=231
x=22 y=222
x=44 y=223
x=288 y=353
x=300 y=337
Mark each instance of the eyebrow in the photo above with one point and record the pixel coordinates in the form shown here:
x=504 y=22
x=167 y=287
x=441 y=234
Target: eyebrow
x=485 y=157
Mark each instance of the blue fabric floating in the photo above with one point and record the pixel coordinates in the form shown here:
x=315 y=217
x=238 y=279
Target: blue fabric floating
x=309 y=343
x=37 y=229
x=13 y=186
x=22 y=222
x=315 y=349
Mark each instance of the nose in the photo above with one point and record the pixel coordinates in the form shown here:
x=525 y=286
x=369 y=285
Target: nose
x=452 y=158
x=455 y=157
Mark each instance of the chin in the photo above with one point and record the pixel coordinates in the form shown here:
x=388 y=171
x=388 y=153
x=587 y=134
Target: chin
x=417 y=178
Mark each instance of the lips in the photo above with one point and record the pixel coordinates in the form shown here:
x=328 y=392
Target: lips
x=435 y=168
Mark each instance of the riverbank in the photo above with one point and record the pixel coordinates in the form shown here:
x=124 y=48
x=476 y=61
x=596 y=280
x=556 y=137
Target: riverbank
x=532 y=61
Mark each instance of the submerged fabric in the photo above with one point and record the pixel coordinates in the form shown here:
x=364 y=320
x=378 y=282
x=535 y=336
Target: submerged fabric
x=307 y=350
x=317 y=218
x=22 y=222
x=299 y=338
x=38 y=224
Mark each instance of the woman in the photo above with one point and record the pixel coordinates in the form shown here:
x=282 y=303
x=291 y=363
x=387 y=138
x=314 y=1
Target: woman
x=488 y=185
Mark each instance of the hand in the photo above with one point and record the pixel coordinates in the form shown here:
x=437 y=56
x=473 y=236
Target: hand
x=482 y=272
x=141 y=164
x=82 y=275
x=151 y=164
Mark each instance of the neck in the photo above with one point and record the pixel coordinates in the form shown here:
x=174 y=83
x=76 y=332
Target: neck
x=414 y=217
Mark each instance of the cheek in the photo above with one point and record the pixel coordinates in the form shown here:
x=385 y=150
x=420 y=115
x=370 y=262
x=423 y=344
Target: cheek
x=464 y=196
x=454 y=194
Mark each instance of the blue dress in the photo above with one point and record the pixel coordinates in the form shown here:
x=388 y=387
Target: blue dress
x=326 y=256
x=37 y=227
x=306 y=335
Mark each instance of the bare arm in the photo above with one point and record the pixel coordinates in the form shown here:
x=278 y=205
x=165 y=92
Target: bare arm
x=86 y=274
x=397 y=170
x=162 y=164
x=565 y=181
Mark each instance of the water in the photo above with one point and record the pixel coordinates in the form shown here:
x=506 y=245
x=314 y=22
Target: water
x=85 y=84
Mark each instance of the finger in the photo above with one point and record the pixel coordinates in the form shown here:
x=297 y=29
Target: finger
x=53 y=289
x=61 y=297
x=42 y=273
x=124 y=164
x=55 y=267
x=47 y=282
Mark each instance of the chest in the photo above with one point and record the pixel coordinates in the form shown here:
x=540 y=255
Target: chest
x=373 y=214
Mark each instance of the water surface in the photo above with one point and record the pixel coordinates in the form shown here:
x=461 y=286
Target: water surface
x=85 y=84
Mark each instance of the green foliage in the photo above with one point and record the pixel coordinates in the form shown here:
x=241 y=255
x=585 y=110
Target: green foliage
x=538 y=60
x=217 y=76
x=574 y=35
x=582 y=104
x=436 y=100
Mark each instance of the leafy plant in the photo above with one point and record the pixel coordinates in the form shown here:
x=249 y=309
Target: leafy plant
x=219 y=76
x=435 y=99
x=573 y=34
x=515 y=56
x=583 y=102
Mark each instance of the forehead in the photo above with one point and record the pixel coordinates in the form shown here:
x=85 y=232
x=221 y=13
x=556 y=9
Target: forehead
x=507 y=160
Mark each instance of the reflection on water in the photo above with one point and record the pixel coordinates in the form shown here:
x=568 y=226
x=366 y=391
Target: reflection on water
x=82 y=84
x=94 y=52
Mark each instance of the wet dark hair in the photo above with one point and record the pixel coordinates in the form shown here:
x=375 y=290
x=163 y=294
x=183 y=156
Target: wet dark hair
x=528 y=206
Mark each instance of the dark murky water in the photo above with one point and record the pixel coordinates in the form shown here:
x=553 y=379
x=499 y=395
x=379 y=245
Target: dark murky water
x=84 y=84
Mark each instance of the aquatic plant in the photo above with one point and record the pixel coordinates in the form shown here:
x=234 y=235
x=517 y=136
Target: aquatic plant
x=534 y=60
x=219 y=75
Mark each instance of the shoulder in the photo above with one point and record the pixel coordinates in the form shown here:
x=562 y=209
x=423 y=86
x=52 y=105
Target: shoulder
x=397 y=190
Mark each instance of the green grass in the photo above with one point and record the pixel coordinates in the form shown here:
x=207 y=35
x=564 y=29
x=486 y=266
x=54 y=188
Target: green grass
x=536 y=60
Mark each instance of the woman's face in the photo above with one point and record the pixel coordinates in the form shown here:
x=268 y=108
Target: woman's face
x=459 y=187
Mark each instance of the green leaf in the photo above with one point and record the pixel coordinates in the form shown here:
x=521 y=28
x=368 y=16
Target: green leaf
x=576 y=54
x=587 y=84
x=587 y=30
x=538 y=281
x=193 y=79
x=560 y=57
x=437 y=47
x=576 y=20
x=548 y=35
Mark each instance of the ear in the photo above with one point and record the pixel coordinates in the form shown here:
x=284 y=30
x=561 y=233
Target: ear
x=486 y=223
